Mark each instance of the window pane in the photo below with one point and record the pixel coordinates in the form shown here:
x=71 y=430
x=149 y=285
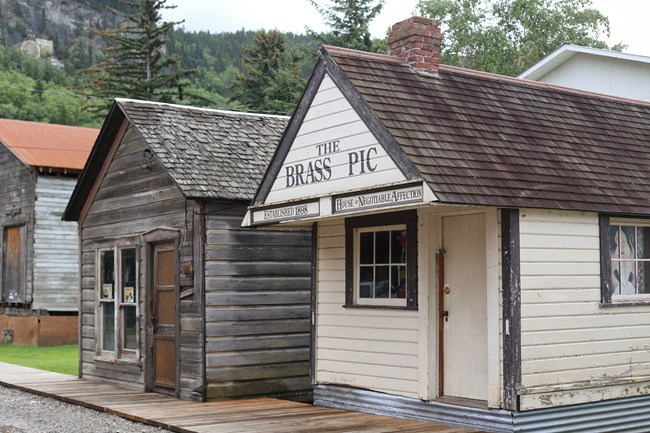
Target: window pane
x=382 y=247
x=643 y=285
x=628 y=277
x=366 y=246
x=108 y=326
x=627 y=242
x=614 y=250
x=642 y=243
x=616 y=277
x=107 y=273
x=366 y=282
x=128 y=275
x=398 y=281
x=382 y=286
x=398 y=246
x=130 y=328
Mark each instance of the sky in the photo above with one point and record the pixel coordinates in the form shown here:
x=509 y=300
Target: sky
x=628 y=18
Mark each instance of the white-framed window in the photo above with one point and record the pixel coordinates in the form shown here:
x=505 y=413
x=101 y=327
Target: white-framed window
x=381 y=260
x=380 y=265
x=118 y=302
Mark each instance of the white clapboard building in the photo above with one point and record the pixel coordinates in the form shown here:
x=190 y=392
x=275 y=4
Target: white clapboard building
x=482 y=242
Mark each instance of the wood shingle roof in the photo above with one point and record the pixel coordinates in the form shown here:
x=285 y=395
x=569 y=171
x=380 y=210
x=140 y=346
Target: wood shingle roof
x=209 y=153
x=484 y=139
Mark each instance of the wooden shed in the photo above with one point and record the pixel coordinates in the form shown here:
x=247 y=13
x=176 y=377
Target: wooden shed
x=176 y=297
x=39 y=265
x=482 y=242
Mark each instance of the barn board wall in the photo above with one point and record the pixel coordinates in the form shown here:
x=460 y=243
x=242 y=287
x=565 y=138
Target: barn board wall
x=257 y=308
x=56 y=246
x=573 y=350
x=130 y=201
x=17 y=192
x=375 y=349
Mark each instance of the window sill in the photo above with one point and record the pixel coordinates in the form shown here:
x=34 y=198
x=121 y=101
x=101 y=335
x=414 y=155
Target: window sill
x=381 y=307
x=630 y=303
x=112 y=360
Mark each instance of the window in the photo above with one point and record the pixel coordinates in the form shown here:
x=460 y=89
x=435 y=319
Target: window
x=381 y=260
x=625 y=260
x=118 y=301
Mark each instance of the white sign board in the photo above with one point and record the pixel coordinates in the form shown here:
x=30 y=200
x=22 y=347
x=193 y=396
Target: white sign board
x=285 y=213
x=369 y=200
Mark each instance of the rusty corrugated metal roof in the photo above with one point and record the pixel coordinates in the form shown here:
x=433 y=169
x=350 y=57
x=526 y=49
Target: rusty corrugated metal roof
x=47 y=145
x=484 y=139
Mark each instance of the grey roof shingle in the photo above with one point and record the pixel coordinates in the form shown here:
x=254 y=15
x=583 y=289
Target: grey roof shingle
x=209 y=153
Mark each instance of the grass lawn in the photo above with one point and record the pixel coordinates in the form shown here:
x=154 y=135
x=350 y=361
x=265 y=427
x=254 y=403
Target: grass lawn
x=60 y=359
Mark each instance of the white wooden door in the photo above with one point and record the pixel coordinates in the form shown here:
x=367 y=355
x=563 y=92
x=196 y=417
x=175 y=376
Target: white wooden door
x=465 y=303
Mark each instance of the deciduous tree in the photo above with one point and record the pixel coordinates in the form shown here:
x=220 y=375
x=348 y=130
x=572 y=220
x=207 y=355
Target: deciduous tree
x=509 y=36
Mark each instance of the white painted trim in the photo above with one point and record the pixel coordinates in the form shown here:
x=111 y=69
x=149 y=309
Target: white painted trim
x=493 y=307
x=426 y=299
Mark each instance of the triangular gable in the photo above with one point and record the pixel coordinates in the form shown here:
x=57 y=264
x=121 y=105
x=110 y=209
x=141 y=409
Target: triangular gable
x=337 y=158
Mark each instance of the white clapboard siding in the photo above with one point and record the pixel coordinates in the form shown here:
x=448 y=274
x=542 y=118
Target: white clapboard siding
x=606 y=75
x=568 y=340
x=373 y=349
x=329 y=118
x=56 y=247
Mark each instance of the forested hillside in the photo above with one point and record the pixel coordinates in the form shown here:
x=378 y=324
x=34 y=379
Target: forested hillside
x=49 y=88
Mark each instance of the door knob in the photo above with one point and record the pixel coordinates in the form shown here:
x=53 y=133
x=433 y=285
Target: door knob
x=445 y=314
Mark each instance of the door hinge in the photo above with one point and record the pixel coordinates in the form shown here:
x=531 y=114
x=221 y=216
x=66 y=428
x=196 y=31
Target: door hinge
x=507 y=326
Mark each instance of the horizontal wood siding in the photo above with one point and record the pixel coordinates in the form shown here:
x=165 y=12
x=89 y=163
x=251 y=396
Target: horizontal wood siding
x=366 y=348
x=257 y=308
x=56 y=247
x=573 y=350
x=17 y=192
x=130 y=201
x=331 y=117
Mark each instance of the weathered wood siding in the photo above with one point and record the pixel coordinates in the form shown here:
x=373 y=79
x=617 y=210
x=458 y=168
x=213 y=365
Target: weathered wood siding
x=368 y=348
x=130 y=201
x=257 y=308
x=56 y=247
x=17 y=189
x=573 y=350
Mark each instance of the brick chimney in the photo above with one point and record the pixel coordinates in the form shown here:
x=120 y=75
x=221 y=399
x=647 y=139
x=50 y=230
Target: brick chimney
x=417 y=40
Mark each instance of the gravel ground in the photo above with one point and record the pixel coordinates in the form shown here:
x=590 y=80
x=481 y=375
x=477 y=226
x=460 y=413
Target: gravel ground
x=22 y=412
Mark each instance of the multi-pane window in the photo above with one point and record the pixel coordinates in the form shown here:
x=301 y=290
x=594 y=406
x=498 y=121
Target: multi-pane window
x=381 y=260
x=382 y=266
x=118 y=301
x=630 y=259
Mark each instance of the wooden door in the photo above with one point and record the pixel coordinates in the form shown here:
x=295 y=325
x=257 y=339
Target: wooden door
x=164 y=318
x=464 y=304
x=13 y=265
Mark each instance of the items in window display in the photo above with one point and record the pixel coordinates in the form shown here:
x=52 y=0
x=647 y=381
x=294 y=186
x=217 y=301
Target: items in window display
x=129 y=295
x=629 y=261
x=382 y=272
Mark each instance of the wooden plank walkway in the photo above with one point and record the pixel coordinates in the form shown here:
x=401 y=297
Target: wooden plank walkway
x=266 y=415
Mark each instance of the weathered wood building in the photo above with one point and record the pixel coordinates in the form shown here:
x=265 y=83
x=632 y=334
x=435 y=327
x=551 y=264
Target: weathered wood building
x=39 y=284
x=482 y=242
x=176 y=297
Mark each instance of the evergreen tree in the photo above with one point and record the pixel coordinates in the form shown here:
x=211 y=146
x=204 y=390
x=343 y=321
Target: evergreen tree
x=272 y=80
x=134 y=64
x=349 y=21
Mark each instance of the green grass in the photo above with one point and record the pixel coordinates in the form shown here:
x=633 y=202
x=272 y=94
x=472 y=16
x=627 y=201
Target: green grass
x=60 y=359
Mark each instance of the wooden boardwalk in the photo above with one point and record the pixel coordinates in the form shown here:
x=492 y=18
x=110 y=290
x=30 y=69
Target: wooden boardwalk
x=256 y=415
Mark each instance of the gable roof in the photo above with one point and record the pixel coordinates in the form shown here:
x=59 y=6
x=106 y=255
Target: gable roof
x=483 y=139
x=210 y=154
x=46 y=145
x=566 y=52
